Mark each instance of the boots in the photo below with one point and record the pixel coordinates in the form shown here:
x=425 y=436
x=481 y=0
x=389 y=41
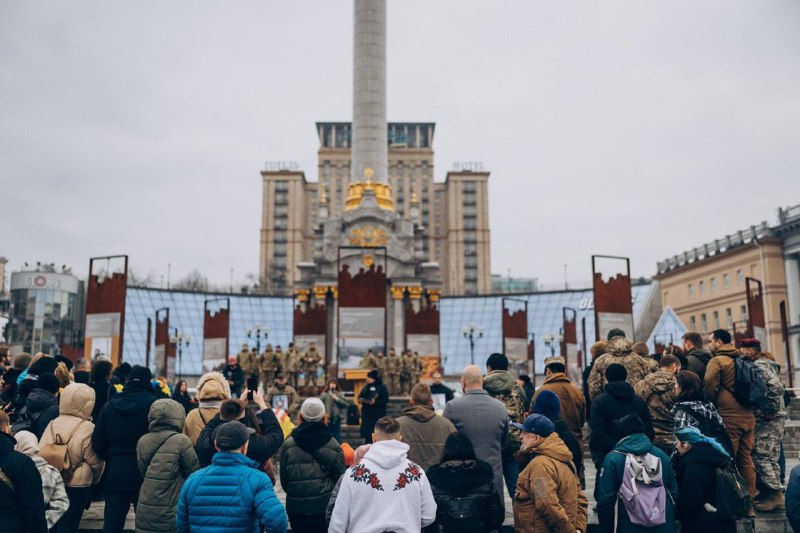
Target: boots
x=772 y=501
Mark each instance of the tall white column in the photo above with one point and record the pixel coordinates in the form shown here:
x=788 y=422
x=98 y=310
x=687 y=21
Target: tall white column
x=369 y=148
x=792 y=267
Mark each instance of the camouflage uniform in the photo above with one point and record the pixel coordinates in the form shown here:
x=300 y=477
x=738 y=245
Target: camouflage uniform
x=294 y=362
x=393 y=365
x=267 y=366
x=406 y=373
x=618 y=351
x=369 y=361
x=769 y=427
x=418 y=367
x=658 y=392
x=281 y=362
x=311 y=362
x=248 y=361
x=381 y=365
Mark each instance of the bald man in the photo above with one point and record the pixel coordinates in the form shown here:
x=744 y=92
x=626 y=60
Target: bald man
x=482 y=419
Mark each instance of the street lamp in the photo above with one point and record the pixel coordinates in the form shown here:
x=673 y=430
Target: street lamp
x=550 y=341
x=472 y=333
x=181 y=340
x=258 y=331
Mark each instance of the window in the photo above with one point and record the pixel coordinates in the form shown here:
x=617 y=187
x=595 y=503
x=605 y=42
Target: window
x=716 y=319
x=714 y=286
x=691 y=290
x=703 y=322
x=702 y=287
x=692 y=323
x=729 y=318
x=739 y=277
x=726 y=281
x=744 y=313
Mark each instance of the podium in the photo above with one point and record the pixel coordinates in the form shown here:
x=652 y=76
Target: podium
x=359 y=378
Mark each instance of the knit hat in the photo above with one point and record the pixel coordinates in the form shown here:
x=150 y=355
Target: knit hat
x=629 y=424
x=547 y=404
x=536 y=424
x=48 y=382
x=616 y=372
x=693 y=436
x=231 y=359
x=374 y=374
x=616 y=332
x=312 y=410
x=140 y=373
x=232 y=435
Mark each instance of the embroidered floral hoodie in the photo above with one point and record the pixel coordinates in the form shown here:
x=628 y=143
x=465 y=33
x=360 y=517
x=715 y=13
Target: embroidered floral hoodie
x=384 y=492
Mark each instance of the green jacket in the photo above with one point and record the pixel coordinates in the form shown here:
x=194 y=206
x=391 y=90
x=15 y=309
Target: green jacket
x=311 y=464
x=166 y=458
x=335 y=404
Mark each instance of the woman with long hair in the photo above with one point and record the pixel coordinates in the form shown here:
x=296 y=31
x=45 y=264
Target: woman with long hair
x=692 y=409
x=182 y=396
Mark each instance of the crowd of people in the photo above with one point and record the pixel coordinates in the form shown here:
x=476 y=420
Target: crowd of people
x=692 y=435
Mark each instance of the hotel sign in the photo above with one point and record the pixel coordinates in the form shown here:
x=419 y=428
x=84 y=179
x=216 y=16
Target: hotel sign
x=43 y=280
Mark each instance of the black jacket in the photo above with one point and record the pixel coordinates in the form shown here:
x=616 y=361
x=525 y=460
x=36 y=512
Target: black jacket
x=235 y=377
x=263 y=445
x=118 y=428
x=697 y=486
x=697 y=360
x=471 y=480
x=441 y=388
x=566 y=434
x=42 y=408
x=100 y=397
x=617 y=401
x=586 y=372
x=311 y=463
x=21 y=508
x=372 y=413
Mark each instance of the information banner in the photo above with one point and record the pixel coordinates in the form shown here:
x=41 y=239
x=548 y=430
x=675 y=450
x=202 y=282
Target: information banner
x=423 y=344
x=360 y=329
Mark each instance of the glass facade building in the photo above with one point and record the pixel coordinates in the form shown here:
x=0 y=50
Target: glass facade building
x=46 y=311
x=186 y=314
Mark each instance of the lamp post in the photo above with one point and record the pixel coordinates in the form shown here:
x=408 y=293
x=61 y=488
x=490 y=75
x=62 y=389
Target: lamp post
x=550 y=341
x=181 y=340
x=258 y=331
x=472 y=333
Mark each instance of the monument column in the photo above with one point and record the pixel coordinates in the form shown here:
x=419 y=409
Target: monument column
x=399 y=321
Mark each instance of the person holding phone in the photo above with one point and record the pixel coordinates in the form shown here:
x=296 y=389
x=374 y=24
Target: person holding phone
x=336 y=406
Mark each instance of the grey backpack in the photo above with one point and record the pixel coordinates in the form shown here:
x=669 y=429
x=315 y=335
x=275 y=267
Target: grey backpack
x=642 y=490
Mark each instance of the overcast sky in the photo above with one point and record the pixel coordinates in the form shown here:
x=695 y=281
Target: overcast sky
x=626 y=128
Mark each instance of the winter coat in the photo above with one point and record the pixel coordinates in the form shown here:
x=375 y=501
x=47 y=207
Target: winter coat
x=235 y=377
x=212 y=389
x=720 y=380
x=311 y=463
x=657 y=390
x=185 y=400
x=56 y=501
x=586 y=373
x=698 y=359
x=574 y=445
x=548 y=495
x=248 y=361
x=484 y=421
x=618 y=401
x=166 y=458
x=618 y=351
x=230 y=496
x=573 y=404
x=697 y=485
x=42 y=408
x=467 y=479
x=775 y=405
x=335 y=404
x=21 y=507
x=370 y=414
x=793 y=499
x=501 y=385
x=262 y=445
x=121 y=423
x=703 y=416
x=425 y=432
x=384 y=492
x=77 y=403
x=441 y=388
x=611 y=480
x=101 y=388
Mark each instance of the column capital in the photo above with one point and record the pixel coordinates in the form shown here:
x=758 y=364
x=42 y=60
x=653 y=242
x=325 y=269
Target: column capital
x=398 y=291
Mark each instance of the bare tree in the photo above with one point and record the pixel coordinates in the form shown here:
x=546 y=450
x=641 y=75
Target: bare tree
x=194 y=281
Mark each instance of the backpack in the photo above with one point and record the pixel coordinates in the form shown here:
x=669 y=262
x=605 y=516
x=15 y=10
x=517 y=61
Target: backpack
x=642 y=491
x=23 y=422
x=733 y=500
x=462 y=514
x=56 y=453
x=750 y=387
x=515 y=407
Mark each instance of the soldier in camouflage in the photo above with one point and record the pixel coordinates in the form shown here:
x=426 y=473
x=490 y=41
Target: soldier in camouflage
x=248 y=361
x=393 y=373
x=267 y=367
x=294 y=362
x=618 y=351
x=311 y=361
x=770 y=421
x=406 y=373
x=657 y=390
x=281 y=361
x=369 y=361
x=418 y=367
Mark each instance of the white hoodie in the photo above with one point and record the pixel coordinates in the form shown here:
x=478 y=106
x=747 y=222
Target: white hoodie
x=384 y=492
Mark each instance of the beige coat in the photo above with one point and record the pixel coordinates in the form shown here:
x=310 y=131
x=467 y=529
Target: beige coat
x=212 y=389
x=77 y=401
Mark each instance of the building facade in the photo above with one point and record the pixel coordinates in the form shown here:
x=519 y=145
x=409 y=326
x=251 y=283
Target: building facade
x=788 y=230
x=454 y=215
x=706 y=286
x=46 y=310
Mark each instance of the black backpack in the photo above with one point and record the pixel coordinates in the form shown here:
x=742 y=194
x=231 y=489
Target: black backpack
x=733 y=499
x=463 y=514
x=352 y=415
x=23 y=422
x=750 y=388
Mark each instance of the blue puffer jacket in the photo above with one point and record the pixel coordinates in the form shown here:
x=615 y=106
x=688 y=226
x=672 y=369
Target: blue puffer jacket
x=230 y=496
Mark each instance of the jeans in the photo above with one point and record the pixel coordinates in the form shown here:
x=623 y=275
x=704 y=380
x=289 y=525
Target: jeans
x=117 y=506
x=335 y=427
x=510 y=474
x=314 y=523
x=71 y=520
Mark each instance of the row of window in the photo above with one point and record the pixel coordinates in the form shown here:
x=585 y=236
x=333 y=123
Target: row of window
x=714 y=284
x=716 y=323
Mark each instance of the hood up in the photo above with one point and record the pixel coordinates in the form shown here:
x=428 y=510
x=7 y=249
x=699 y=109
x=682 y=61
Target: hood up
x=420 y=413
x=166 y=415
x=387 y=454
x=637 y=444
x=213 y=386
x=311 y=436
x=498 y=382
x=619 y=347
x=77 y=400
x=27 y=443
x=621 y=390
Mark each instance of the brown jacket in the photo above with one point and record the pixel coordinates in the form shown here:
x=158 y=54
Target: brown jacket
x=212 y=389
x=720 y=380
x=548 y=495
x=618 y=351
x=425 y=432
x=75 y=411
x=573 y=404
